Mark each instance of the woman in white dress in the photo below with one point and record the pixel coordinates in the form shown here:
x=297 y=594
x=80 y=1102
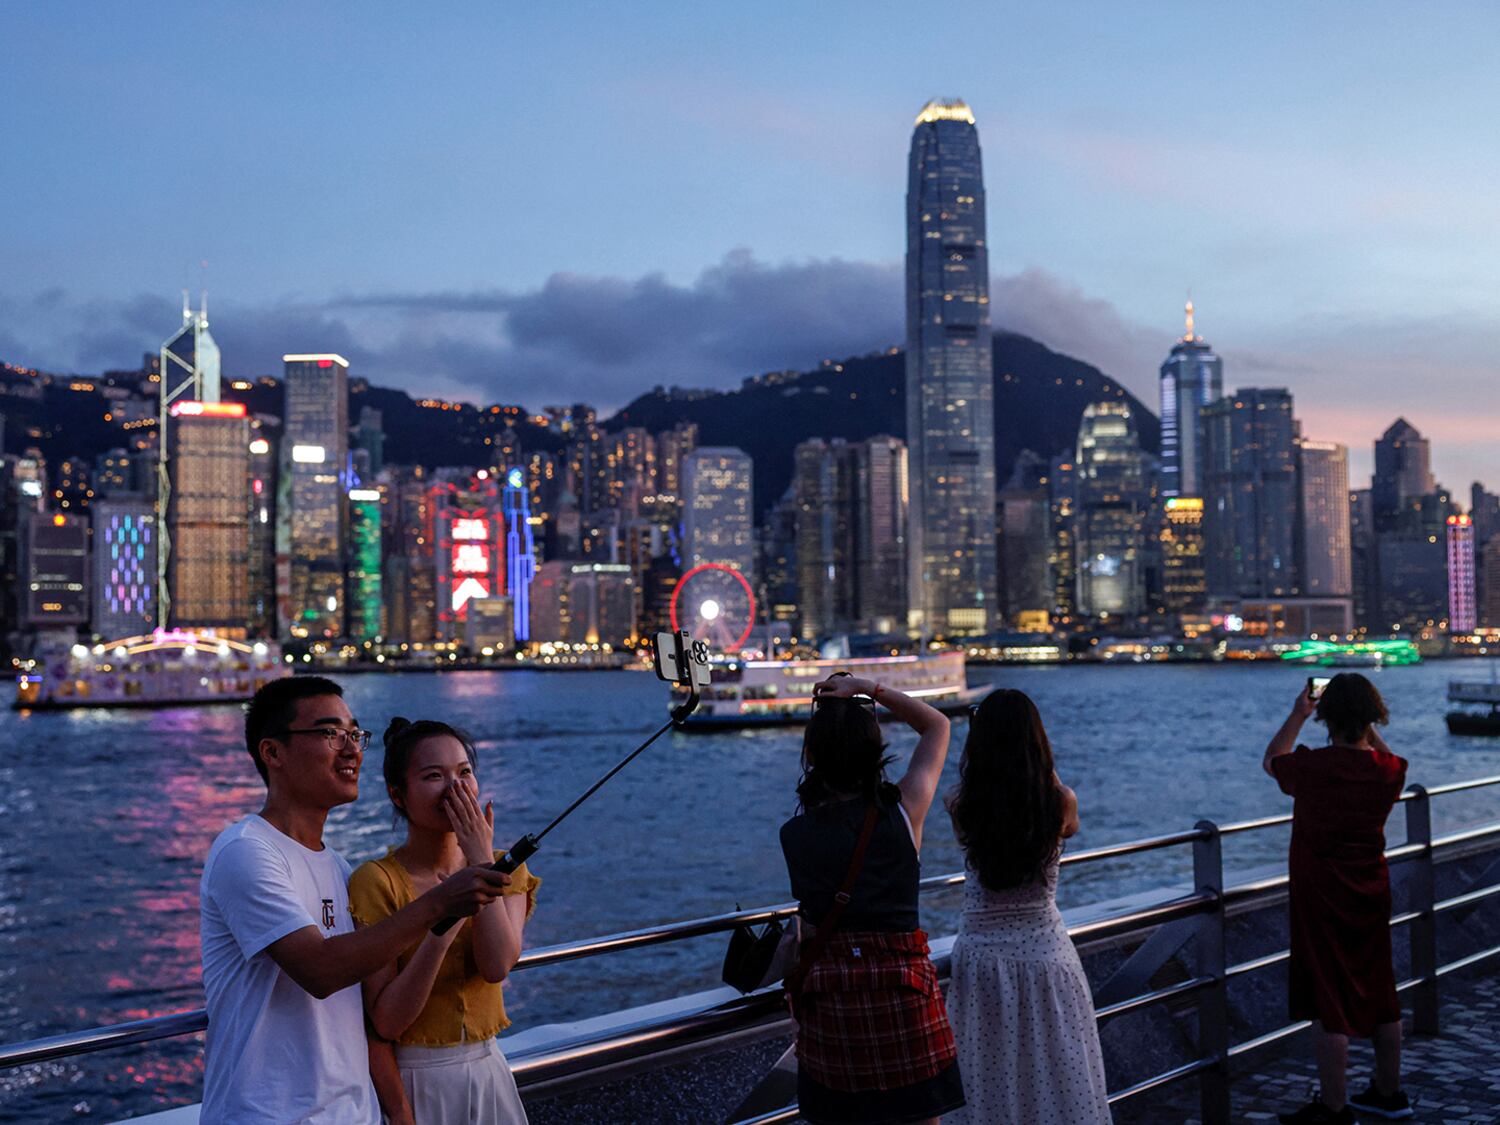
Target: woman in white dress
x=1020 y=1005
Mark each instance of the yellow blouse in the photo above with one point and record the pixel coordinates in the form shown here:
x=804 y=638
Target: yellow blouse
x=463 y=1006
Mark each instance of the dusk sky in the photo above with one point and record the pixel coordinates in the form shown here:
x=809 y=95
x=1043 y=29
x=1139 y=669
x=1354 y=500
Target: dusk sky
x=498 y=203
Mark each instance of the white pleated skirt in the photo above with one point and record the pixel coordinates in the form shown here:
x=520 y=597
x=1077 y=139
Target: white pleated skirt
x=467 y=1084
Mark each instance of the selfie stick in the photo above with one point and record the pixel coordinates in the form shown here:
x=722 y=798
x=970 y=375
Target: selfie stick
x=524 y=848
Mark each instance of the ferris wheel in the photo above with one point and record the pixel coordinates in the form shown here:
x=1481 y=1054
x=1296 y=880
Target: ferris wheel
x=714 y=601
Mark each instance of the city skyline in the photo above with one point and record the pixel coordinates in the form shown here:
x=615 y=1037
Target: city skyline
x=1321 y=252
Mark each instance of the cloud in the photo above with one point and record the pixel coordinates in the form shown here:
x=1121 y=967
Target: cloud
x=606 y=339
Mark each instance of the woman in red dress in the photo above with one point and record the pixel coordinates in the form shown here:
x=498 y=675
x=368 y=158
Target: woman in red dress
x=1341 y=976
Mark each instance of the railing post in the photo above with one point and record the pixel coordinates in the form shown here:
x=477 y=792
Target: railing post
x=1213 y=1006
x=1424 y=1008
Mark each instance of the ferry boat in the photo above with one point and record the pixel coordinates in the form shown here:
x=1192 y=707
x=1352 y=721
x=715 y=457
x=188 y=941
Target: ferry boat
x=758 y=693
x=1483 y=717
x=159 y=669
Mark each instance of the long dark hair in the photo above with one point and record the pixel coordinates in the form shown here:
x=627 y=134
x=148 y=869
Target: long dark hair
x=1007 y=810
x=403 y=736
x=842 y=752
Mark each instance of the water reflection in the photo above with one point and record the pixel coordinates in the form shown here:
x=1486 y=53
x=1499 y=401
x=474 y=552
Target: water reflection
x=105 y=818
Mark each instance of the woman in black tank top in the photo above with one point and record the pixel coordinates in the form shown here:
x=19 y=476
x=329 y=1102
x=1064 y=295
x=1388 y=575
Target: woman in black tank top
x=873 y=1041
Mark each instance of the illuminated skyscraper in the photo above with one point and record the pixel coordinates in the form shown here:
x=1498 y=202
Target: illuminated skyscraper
x=470 y=558
x=520 y=551
x=208 y=516
x=1113 y=501
x=950 y=423
x=312 y=509
x=55 y=562
x=365 y=603
x=189 y=372
x=717 y=514
x=1463 y=610
x=1183 y=587
x=1191 y=378
x=124 y=569
x=1250 y=494
x=1324 y=548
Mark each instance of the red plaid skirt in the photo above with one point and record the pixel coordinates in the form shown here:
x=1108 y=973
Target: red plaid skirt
x=870 y=1014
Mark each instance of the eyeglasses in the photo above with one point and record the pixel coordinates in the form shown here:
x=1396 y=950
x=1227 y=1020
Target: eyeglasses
x=336 y=736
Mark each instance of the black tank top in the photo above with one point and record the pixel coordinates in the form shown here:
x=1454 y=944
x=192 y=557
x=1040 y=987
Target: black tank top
x=818 y=845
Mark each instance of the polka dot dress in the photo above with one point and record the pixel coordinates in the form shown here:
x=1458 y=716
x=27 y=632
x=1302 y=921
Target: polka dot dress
x=1022 y=1012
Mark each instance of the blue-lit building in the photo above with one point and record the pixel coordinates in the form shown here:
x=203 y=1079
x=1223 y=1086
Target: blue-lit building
x=950 y=423
x=520 y=551
x=1191 y=378
x=124 y=567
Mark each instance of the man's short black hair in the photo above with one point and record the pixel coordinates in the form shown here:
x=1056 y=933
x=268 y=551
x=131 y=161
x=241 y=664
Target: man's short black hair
x=274 y=708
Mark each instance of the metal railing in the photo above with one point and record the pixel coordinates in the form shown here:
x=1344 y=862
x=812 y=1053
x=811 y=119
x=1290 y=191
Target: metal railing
x=1193 y=923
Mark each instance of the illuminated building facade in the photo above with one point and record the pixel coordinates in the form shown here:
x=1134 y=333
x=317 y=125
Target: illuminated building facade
x=1114 y=498
x=1191 y=378
x=208 y=516
x=520 y=551
x=411 y=556
x=1062 y=558
x=55 y=561
x=470 y=549
x=124 y=567
x=583 y=603
x=312 y=509
x=1325 y=555
x=1183 y=585
x=261 y=570
x=365 y=603
x=717 y=511
x=1250 y=495
x=950 y=424
x=1463 y=608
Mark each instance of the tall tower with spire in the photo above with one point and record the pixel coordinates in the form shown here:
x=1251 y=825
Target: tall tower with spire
x=1191 y=378
x=950 y=420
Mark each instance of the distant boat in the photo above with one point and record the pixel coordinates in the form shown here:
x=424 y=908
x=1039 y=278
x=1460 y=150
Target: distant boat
x=761 y=693
x=159 y=669
x=1483 y=715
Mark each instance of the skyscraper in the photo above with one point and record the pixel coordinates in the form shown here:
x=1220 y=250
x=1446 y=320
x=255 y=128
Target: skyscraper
x=717 y=513
x=950 y=423
x=1403 y=470
x=208 y=516
x=55 y=562
x=1191 y=378
x=1463 y=610
x=520 y=552
x=1114 y=497
x=365 y=601
x=1324 y=547
x=312 y=509
x=124 y=585
x=1250 y=494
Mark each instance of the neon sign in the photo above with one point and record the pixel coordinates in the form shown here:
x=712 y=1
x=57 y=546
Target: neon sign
x=471 y=558
x=471 y=529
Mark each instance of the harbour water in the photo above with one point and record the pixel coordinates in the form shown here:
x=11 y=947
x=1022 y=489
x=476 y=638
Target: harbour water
x=105 y=818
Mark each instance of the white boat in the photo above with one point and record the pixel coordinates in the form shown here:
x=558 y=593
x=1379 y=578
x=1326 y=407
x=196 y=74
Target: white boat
x=754 y=693
x=164 y=668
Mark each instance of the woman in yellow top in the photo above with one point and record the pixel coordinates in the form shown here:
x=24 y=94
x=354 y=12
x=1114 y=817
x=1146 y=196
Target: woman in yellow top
x=440 y=1003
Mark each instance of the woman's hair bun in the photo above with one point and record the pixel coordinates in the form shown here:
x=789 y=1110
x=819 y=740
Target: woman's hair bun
x=395 y=727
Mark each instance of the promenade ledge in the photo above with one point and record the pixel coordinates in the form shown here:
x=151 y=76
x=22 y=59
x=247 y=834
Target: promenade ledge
x=1189 y=981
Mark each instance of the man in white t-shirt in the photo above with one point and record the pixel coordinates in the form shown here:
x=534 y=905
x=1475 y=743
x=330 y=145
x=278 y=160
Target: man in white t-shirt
x=282 y=960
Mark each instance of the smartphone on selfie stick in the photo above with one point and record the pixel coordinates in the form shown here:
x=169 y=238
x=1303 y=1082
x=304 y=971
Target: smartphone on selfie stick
x=679 y=660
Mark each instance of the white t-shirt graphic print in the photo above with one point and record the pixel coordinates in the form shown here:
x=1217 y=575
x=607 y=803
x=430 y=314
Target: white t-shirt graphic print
x=274 y=1054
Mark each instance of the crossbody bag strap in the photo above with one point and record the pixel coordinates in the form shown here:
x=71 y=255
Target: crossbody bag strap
x=814 y=948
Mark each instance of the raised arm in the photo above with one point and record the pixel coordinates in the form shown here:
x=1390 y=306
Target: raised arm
x=1284 y=741
x=497 y=930
x=920 y=782
x=1069 y=808
x=322 y=966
